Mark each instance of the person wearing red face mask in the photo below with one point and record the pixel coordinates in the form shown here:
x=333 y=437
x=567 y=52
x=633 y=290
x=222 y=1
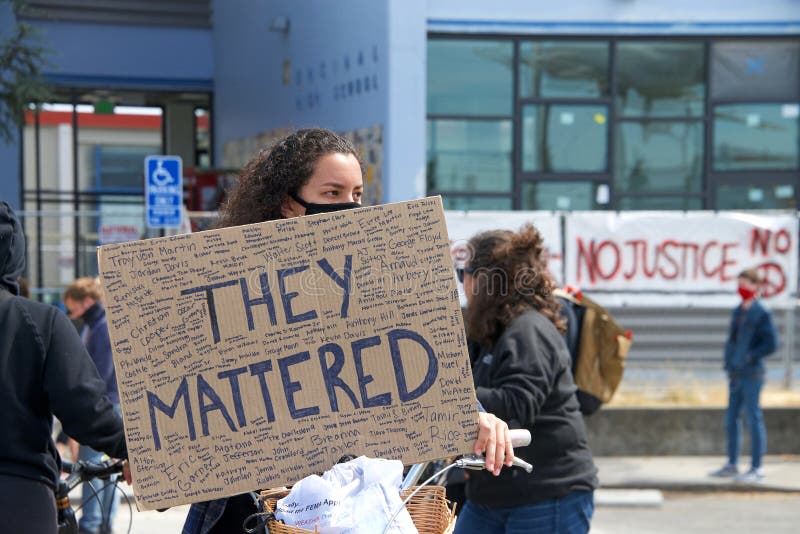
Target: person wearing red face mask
x=751 y=337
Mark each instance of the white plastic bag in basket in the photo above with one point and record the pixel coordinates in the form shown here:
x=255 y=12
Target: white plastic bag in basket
x=356 y=497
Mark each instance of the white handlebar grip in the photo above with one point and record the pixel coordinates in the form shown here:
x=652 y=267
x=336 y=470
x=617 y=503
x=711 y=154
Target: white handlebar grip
x=520 y=437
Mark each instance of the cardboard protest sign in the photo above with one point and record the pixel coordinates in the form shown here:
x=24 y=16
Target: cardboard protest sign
x=250 y=357
x=667 y=258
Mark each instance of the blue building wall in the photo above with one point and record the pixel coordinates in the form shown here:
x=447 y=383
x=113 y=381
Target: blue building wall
x=346 y=66
x=323 y=49
x=9 y=152
x=9 y=181
x=615 y=16
x=663 y=17
x=405 y=134
x=152 y=57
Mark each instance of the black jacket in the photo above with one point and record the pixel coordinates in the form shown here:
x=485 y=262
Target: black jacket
x=45 y=371
x=525 y=379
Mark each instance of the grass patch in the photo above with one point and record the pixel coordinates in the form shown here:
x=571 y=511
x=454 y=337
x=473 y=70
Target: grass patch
x=693 y=393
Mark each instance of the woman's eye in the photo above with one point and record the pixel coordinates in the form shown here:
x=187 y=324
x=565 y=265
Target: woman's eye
x=357 y=194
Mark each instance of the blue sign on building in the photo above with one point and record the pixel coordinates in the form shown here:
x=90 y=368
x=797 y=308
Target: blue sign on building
x=163 y=191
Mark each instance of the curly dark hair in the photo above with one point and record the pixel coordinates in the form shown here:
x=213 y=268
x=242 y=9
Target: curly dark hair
x=509 y=276
x=271 y=175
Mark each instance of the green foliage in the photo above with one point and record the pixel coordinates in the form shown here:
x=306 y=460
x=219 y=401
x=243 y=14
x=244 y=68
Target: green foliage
x=21 y=62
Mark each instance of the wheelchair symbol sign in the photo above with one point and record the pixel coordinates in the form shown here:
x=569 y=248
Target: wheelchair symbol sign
x=161 y=176
x=163 y=191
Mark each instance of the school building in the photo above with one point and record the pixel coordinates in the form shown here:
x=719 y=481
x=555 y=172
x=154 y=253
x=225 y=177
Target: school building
x=615 y=105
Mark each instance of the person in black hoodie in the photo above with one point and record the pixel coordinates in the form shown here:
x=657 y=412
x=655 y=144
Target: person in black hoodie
x=46 y=371
x=521 y=369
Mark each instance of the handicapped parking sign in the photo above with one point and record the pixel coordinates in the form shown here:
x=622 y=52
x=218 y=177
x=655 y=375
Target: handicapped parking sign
x=163 y=191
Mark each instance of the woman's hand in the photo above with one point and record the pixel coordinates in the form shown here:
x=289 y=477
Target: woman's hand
x=494 y=441
x=126 y=472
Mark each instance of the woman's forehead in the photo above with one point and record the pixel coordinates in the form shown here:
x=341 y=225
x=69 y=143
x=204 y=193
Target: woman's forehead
x=337 y=170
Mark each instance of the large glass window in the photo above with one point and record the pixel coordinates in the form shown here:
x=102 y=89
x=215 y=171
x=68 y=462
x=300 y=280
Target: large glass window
x=756 y=136
x=752 y=196
x=566 y=195
x=470 y=77
x=659 y=156
x=755 y=70
x=660 y=79
x=118 y=167
x=469 y=156
x=564 y=138
x=614 y=123
x=563 y=69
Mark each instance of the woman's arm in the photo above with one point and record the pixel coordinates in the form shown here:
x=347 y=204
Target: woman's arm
x=520 y=376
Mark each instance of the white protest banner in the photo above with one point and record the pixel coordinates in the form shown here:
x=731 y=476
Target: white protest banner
x=462 y=225
x=662 y=258
x=250 y=357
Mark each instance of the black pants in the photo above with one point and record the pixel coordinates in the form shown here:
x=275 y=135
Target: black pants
x=27 y=506
x=237 y=509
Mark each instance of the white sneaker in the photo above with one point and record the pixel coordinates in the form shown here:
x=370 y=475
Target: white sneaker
x=727 y=471
x=754 y=476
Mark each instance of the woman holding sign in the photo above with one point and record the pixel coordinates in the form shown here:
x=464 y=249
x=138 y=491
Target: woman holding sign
x=521 y=369
x=309 y=171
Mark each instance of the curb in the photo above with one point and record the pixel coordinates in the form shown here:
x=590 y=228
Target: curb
x=628 y=498
x=694 y=487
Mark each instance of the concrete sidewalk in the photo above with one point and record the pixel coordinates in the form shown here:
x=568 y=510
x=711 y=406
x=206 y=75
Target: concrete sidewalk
x=690 y=473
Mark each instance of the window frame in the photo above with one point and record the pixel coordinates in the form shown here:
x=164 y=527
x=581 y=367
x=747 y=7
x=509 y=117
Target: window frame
x=461 y=117
x=710 y=179
x=745 y=178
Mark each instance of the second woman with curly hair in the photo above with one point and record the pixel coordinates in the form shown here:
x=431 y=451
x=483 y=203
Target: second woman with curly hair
x=521 y=369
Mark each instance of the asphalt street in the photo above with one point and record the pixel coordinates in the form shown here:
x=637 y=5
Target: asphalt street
x=704 y=513
x=696 y=513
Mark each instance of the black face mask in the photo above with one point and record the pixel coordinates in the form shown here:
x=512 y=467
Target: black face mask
x=313 y=208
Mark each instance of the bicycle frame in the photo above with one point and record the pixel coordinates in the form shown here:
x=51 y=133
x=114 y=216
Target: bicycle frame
x=78 y=473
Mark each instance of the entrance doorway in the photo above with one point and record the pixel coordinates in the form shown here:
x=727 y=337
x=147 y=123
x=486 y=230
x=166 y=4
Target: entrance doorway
x=82 y=181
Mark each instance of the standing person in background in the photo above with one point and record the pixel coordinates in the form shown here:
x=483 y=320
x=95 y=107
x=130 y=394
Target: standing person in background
x=751 y=338
x=83 y=301
x=309 y=171
x=45 y=371
x=521 y=369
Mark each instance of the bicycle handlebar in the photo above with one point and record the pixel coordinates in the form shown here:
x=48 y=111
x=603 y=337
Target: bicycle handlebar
x=520 y=437
x=90 y=470
x=82 y=471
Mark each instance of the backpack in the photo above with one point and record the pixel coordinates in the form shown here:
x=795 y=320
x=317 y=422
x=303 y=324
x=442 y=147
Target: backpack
x=598 y=347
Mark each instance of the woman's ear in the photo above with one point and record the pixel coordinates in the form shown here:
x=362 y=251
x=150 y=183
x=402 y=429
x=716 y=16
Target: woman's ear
x=290 y=208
